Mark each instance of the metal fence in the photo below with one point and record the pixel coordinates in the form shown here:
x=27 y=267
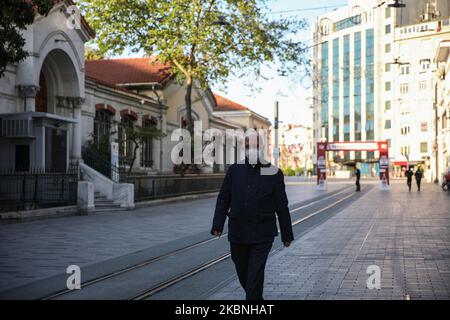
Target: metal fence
x=156 y=187
x=36 y=189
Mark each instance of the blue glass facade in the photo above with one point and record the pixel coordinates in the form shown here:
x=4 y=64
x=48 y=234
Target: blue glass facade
x=357 y=89
x=346 y=84
x=357 y=85
x=324 y=87
x=336 y=89
x=347 y=23
x=370 y=87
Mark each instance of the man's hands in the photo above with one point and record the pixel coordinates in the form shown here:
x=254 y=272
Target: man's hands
x=287 y=243
x=217 y=233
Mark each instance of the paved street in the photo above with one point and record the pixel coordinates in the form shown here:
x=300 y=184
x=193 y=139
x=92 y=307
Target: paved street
x=39 y=249
x=406 y=234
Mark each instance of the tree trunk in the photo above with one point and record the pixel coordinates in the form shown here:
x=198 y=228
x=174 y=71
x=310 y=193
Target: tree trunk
x=189 y=120
x=188 y=102
x=136 y=147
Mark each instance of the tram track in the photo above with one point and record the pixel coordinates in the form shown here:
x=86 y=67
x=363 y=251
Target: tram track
x=179 y=277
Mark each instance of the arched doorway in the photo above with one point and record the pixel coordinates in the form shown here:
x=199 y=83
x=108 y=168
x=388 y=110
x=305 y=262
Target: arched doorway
x=59 y=86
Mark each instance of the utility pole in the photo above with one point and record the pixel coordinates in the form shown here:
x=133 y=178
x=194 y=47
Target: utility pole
x=276 y=149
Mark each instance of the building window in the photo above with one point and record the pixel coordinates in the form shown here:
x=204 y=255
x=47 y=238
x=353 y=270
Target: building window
x=387 y=13
x=387 y=48
x=102 y=125
x=387 y=67
x=405 y=130
x=404 y=150
x=387 y=124
x=147 y=145
x=404 y=69
x=424 y=65
x=387 y=86
x=387 y=29
x=125 y=143
x=424 y=147
x=404 y=88
x=424 y=126
x=422 y=85
x=387 y=105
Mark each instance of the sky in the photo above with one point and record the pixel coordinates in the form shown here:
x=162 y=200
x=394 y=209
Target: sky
x=294 y=105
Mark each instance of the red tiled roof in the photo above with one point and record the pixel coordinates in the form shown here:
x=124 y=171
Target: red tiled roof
x=129 y=70
x=225 y=104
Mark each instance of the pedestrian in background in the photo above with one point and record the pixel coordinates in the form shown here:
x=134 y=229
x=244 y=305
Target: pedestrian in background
x=418 y=176
x=358 y=177
x=409 y=174
x=250 y=197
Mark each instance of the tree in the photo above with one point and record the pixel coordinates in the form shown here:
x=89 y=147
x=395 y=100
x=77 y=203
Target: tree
x=15 y=16
x=93 y=54
x=138 y=135
x=203 y=41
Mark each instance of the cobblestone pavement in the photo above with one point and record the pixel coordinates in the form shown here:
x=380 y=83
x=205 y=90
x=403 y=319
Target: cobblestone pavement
x=406 y=234
x=34 y=250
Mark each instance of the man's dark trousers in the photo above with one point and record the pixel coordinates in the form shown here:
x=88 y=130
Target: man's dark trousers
x=250 y=261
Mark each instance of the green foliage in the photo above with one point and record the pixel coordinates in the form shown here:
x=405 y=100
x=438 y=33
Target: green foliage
x=299 y=171
x=101 y=147
x=15 y=16
x=204 y=41
x=93 y=54
x=288 y=171
x=138 y=135
x=190 y=34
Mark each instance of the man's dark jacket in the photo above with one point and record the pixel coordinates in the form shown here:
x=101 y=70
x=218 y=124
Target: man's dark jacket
x=250 y=200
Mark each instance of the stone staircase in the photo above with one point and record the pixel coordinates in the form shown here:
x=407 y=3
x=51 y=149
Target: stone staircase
x=102 y=204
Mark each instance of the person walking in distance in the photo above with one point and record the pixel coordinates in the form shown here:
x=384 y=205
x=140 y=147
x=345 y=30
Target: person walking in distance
x=358 y=177
x=418 y=176
x=250 y=195
x=409 y=174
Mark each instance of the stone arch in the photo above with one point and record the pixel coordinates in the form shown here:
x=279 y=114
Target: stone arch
x=62 y=79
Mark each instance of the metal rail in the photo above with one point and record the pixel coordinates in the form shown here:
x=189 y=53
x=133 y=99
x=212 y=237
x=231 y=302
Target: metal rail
x=206 y=265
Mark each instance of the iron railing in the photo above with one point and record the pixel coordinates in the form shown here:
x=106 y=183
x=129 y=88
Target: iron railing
x=156 y=187
x=37 y=188
x=100 y=164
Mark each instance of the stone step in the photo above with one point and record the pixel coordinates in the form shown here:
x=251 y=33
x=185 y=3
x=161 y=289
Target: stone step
x=107 y=209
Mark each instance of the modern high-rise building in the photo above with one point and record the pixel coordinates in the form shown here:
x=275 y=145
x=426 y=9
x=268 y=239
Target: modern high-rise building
x=368 y=59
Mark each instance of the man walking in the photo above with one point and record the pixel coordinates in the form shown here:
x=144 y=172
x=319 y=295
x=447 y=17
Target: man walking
x=358 y=177
x=418 y=176
x=250 y=195
x=409 y=174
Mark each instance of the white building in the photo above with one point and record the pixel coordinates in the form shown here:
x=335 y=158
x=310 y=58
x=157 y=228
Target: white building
x=373 y=78
x=443 y=106
x=409 y=111
x=41 y=97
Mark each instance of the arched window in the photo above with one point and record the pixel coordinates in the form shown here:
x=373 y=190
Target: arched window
x=125 y=143
x=102 y=124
